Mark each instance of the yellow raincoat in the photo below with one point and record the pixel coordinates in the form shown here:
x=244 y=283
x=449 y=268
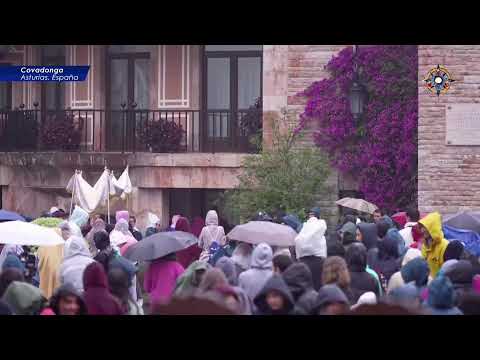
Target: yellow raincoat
x=49 y=261
x=434 y=253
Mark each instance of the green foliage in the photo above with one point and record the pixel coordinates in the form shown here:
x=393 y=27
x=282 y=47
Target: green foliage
x=283 y=177
x=48 y=222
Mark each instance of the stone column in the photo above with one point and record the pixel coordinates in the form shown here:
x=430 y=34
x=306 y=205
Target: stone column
x=145 y=200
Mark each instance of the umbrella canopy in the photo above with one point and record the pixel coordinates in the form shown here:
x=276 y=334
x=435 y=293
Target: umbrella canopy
x=23 y=233
x=10 y=216
x=357 y=204
x=159 y=245
x=256 y=232
x=464 y=220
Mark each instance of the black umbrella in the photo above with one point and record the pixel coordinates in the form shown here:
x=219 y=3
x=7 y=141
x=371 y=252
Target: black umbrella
x=464 y=220
x=159 y=245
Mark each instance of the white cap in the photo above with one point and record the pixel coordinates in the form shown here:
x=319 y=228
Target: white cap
x=369 y=298
x=53 y=209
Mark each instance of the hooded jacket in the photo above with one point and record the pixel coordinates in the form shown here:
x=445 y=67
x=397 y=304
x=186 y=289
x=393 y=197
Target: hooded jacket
x=49 y=261
x=189 y=281
x=416 y=271
x=76 y=258
x=360 y=281
x=97 y=297
x=274 y=283
x=387 y=263
x=298 y=278
x=397 y=280
x=261 y=269
x=461 y=276
x=211 y=232
x=311 y=239
x=329 y=294
x=242 y=257
x=434 y=253
x=24 y=298
x=441 y=297
x=160 y=279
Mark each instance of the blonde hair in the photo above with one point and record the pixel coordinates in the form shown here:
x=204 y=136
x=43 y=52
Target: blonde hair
x=335 y=271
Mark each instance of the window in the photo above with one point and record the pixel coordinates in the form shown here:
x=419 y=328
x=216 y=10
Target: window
x=53 y=93
x=233 y=83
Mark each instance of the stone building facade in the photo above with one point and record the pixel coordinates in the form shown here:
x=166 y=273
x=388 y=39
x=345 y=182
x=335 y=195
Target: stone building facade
x=174 y=80
x=449 y=174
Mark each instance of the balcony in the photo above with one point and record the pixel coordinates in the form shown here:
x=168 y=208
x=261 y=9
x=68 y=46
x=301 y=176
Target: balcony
x=128 y=130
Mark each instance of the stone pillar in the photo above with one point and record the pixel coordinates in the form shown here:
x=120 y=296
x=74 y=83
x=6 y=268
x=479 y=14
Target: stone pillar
x=145 y=200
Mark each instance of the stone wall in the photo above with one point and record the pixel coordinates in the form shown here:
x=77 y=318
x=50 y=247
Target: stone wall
x=289 y=69
x=448 y=176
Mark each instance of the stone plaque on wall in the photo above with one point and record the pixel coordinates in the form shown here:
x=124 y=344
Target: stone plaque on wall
x=463 y=124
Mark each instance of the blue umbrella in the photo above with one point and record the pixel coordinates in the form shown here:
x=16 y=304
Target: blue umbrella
x=10 y=216
x=470 y=239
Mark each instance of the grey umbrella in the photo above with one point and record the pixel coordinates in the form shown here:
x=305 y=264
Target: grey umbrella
x=256 y=232
x=159 y=245
x=464 y=220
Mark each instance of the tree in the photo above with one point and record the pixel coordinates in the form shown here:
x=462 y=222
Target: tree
x=281 y=178
x=379 y=150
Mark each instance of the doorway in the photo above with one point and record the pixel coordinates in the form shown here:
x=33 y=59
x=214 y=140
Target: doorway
x=128 y=81
x=232 y=84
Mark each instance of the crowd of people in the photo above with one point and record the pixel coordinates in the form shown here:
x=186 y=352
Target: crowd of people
x=365 y=264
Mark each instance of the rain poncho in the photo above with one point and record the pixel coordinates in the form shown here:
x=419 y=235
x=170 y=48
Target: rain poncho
x=434 y=252
x=8 y=249
x=211 y=232
x=277 y=284
x=120 y=234
x=160 y=279
x=79 y=216
x=242 y=257
x=261 y=269
x=98 y=225
x=49 y=261
x=24 y=299
x=311 y=239
x=76 y=258
x=188 y=283
x=298 y=278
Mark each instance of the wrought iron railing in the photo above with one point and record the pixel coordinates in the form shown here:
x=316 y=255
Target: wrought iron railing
x=125 y=130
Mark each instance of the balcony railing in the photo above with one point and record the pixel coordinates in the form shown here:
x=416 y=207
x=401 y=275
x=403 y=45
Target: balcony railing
x=128 y=130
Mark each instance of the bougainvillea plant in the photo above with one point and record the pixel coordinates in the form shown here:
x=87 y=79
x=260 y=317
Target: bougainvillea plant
x=162 y=136
x=379 y=149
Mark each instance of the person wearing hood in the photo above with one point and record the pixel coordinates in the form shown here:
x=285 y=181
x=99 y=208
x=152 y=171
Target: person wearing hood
x=79 y=216
x=76 y=258
x=293 y=221
x=211 y=233
x=154 y=224
x=9 y=249
x=242 y=257
x=8 y=276
x=348 y=234
x=187 y=256
x=311 y=247
x=121 y=236
x=396 y=280
x=360 y=280
x=382 y=227
x=281 y=262
x=119 y=283
x=261 y=269
x=406 y=296
x=393 y=233
x=298 y=278
x=228 y=267
x=461 y=276
x=416 y=271
x=49 y=260
x=13 y=262
x=24 y=298
x=97 y=226
x=161 y=277
x=434 y=243
x=274 y=298
x=366 y=233
x=66 y=301
x=331 y=300
x=368 y=298
x=97 y=297
x=441 y=297
x=387 y=262
x=187 y=284
x=456 y=251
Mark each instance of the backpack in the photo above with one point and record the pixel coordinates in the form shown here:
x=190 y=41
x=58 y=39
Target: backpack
x=212 y=251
